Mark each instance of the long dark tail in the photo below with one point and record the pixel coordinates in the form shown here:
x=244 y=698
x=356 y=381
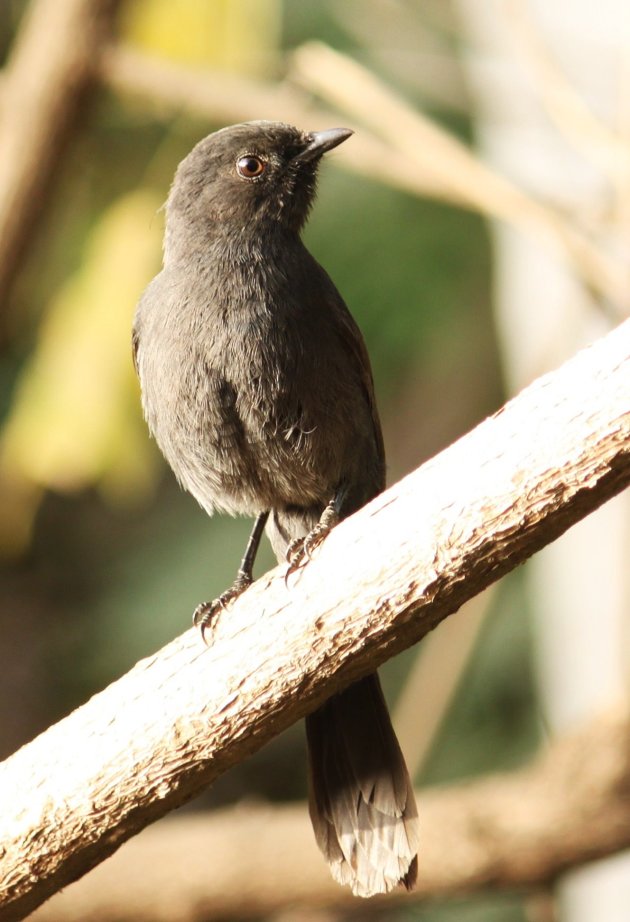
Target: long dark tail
x=361 y=801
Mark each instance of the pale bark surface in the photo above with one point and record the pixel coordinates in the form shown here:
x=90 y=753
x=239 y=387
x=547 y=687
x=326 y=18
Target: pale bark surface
x=379 y=582
x=518 y=830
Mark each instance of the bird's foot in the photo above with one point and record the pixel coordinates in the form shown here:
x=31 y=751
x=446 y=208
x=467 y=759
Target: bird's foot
x=206 y=612
x=300 y=551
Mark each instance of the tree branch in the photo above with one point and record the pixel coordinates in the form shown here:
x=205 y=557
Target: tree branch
x=54 y=60
x=506 y=831
x=225 y=98
x=353 y=89
x=379 y=583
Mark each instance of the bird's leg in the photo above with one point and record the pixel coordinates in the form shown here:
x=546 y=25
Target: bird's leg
x=301 y=550
x=205 y=612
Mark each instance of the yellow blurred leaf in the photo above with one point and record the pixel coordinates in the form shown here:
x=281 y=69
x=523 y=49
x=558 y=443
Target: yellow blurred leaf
x=219 y=33
x=75 y=419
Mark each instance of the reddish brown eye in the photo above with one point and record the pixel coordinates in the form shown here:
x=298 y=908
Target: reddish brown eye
x=250 y=167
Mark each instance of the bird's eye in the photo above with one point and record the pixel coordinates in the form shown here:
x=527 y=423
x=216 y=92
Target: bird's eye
x=250 y=167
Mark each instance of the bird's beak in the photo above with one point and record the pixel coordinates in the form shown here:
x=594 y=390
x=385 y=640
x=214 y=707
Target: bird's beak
x=321 y=141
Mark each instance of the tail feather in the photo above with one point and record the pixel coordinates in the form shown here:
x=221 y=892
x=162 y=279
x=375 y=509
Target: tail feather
x=361 y=801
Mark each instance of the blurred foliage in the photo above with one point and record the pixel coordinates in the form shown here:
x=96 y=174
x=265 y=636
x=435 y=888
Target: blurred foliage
x=118 y=557
x=74 y=419
x=226 y=35
x=494 y=708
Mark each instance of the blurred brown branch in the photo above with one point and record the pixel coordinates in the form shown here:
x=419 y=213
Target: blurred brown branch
x=514 y=830
x=417 y=45
x=380 y=582
x=223 y=98
x=54 y=60
x=425 y=148
x=398 y=145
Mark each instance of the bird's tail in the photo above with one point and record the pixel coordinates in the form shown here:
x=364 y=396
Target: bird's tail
x=361 y=801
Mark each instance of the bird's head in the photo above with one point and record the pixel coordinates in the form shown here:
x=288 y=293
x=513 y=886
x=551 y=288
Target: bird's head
x=249 y=178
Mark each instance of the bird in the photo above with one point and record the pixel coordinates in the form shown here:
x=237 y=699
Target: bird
x=257 y=387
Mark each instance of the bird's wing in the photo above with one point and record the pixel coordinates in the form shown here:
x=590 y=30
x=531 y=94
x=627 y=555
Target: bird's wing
x=354 y=344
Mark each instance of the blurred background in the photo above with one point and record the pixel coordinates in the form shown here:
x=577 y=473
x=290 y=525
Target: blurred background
x=478 y=227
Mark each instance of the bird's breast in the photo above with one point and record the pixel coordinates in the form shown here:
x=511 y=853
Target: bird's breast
x=242 y=407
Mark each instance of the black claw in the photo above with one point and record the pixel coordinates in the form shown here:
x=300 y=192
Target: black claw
x=291 y=569
x=200 y=613
x=300 y=551
x=294 y=548
x=206 y=612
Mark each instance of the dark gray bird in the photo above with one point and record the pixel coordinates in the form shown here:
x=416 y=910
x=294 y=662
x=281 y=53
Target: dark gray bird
x=256 y=385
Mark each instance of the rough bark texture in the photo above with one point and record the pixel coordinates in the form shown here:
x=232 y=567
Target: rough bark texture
x=519 y=830
x=54 y=59
x=380 y=582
